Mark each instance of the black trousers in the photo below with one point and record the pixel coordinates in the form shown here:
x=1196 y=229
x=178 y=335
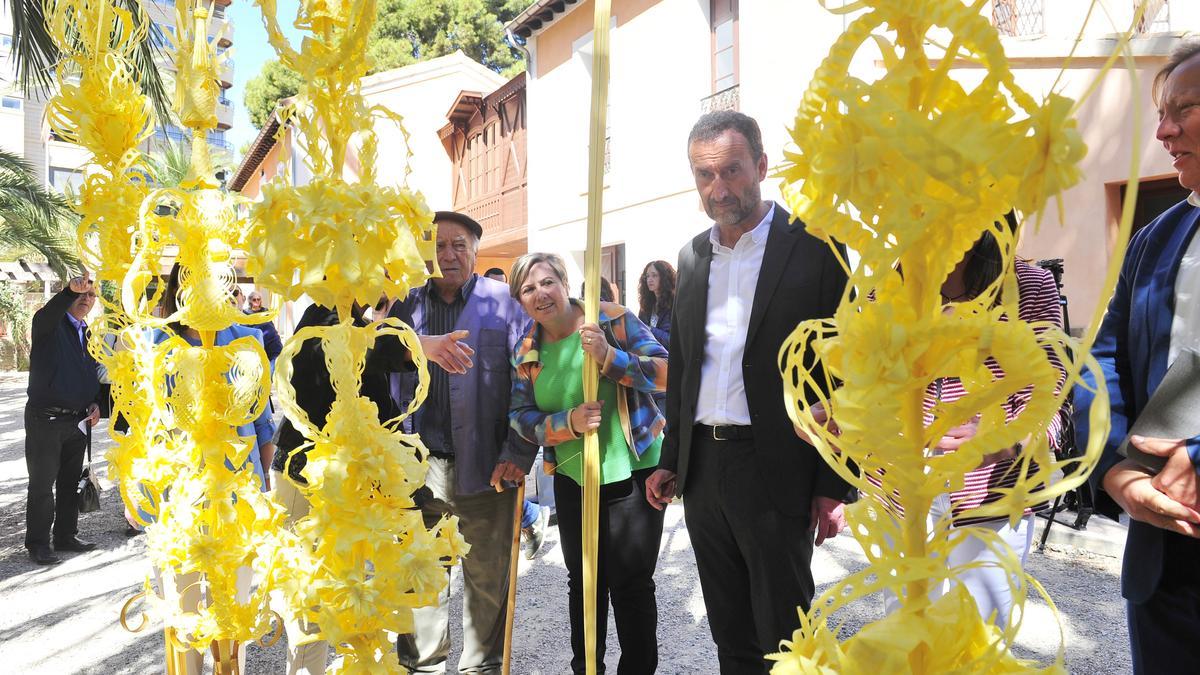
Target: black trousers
x=753 y=561
x=630 y=532
x=1163 y=631
x=54 y=457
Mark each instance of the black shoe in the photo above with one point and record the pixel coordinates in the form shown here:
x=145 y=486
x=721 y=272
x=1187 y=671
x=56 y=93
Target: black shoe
x=74 y=544
x=131 y=531
x=42 y=555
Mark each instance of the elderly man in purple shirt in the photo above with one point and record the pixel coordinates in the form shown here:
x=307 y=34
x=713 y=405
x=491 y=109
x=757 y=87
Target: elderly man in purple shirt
x=472 y=324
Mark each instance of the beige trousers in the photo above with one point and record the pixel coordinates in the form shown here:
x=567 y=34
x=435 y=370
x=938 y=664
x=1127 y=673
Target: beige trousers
x=185 y=590
x=486 y=522
x=312 y=657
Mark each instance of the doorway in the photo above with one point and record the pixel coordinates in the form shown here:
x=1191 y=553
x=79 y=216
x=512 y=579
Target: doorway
x=1154 y=196
x=612 y=267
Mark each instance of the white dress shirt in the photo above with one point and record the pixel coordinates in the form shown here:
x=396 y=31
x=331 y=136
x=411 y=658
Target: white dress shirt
x=1185 y=325
x=732 y=279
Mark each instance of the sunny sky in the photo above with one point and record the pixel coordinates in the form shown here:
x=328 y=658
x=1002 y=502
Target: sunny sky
x=250 y=51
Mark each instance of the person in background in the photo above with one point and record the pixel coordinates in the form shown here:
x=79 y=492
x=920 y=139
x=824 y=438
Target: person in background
x=262 y=429
x=271 y=342
x=533 y=521
x=63 y=387
x=608 y=291
x=656 y=298
x=1037 y=301
x=259 y=433
x=548 y=409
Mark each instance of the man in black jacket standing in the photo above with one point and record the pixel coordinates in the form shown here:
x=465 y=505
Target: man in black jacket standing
x=756 y=496
x=63 y=387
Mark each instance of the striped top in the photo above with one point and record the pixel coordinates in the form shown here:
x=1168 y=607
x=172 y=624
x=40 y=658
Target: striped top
x=441 y=318
x=1038 y=303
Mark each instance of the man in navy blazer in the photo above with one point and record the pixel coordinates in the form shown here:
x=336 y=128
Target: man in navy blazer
x=1154 y=315
x=63 y=387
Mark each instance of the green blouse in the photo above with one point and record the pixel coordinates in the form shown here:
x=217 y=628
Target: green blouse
x=559 y=386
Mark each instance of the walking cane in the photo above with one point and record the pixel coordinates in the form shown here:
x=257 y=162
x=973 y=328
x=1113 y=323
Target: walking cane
x=510 y=612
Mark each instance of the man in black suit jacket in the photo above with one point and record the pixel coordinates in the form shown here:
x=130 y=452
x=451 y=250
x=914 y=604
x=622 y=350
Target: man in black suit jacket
x=754 y=492
x=63 y=387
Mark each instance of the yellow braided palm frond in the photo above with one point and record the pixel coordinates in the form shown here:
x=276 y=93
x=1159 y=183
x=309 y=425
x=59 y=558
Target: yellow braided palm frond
x=360 y=479
x=910 y=170
x=362 y=558
x=182 y=465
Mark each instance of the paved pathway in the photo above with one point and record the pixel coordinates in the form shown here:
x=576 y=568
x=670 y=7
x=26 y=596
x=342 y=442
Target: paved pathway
x=63 y=619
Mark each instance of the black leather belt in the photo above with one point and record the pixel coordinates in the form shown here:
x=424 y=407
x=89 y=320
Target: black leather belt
x=725 y=432
x=54 y=412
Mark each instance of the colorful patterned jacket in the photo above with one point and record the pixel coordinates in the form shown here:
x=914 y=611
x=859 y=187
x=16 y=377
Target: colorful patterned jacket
x=637 y=364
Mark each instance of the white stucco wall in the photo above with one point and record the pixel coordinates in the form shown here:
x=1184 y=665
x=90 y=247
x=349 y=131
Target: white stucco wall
x=422 y=94
x=1081 y=234
x=12 y=130
x=655 y=93
x=661 y=70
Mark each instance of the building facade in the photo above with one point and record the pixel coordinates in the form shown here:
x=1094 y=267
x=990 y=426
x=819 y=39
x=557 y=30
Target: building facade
x=485 y=139
x=421 y=94
x=23 y=127
x=671 y=60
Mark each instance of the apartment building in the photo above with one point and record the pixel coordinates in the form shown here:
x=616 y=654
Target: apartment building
x=23 y=127
x=221 y=32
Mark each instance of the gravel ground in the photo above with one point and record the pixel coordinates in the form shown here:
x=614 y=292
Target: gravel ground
x=64 y=618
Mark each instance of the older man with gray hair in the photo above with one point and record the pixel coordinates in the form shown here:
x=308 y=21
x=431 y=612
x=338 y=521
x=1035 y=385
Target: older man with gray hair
x=471 y=324
x=1153 y=322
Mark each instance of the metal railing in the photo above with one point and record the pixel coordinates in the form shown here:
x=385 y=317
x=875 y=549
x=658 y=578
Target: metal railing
x=180 y=136
x=1016 y=18
x=177 y=135
x=726 y=99
x=1156 y=19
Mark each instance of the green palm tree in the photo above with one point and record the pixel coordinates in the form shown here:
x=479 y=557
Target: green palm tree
x=34 y=219
x=169 y=166
x=171 y=163
x=35 y=54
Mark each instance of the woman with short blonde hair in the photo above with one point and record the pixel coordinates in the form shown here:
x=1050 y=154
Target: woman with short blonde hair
x=547 y=408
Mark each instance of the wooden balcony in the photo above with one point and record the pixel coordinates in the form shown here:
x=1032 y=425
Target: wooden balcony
x=486 y=143
x=504 y=217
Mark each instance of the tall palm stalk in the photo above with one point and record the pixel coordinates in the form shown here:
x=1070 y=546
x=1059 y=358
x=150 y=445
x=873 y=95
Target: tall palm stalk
x=33 y=218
